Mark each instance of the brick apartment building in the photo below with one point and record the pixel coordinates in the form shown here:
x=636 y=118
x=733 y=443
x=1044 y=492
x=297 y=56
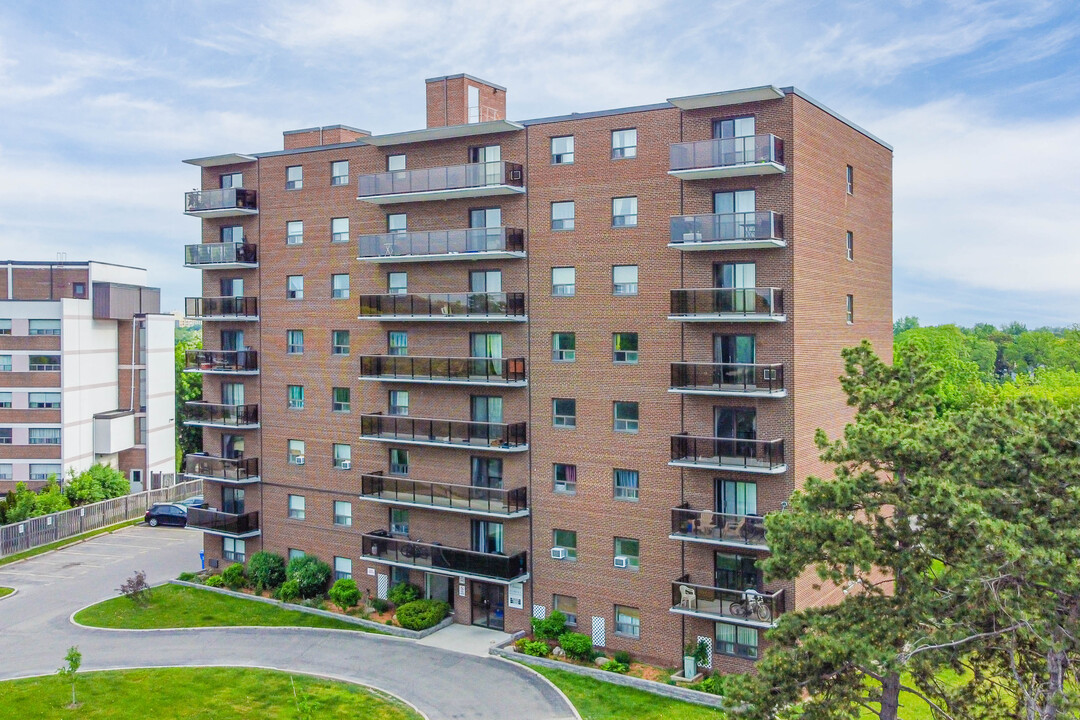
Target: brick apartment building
x=565 y=363
x=86 y=373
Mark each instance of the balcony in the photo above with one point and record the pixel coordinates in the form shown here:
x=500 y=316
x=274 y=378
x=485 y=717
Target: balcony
x=738 y=455
x=473 y=371
x=728 y=157
x=221 y=256
x=442 y=183
x=728 y=379
x=731 y=606
x=497 y=437
x=234 y=417
x=224 y=524
x=445 y=307
x=222 y=308
x=468 y=499
x=745 y=532
x=235 y=471
x=737 y=231
x=379 y=547
x=223 y=362
x=438 y=245
x=728 y=305
x=226 y=202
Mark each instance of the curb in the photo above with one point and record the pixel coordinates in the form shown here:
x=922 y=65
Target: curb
x=532 y=671
x=324 y=676
x=13 y=593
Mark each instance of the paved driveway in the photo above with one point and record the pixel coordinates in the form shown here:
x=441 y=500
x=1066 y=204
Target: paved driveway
x=35 y=633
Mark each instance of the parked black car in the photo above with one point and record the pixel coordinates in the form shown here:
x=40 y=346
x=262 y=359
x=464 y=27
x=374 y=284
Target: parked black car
x=196 y=501
x=166 y=514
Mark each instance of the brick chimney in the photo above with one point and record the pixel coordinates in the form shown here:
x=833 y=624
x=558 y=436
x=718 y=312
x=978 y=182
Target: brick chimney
x=325 y=135
x=461 y=99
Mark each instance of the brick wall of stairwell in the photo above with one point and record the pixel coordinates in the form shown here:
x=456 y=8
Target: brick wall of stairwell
x=447 y=101
x=41 y=283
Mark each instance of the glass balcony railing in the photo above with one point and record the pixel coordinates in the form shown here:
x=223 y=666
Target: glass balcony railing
x=380 y=547
x=452 y=433
x=233 y=308
x=234 y=470
x=223 y=202
x=447 y=496
x=728 y=303
x=727 y=152
x=728 y=453
x=728 y=378
x=218 y=415
x=467 y=243
x=221 y=361
x=718 y=528
x=738 y=229
x=453 y=177
x=221 y=523
x=443 y=370
x=746 y=606
x=222 y=253
x=444 y=306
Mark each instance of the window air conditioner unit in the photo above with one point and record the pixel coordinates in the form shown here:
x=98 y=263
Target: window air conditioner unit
x=346 y=465
x=558 y=553
x=299 y=459
x=515 y=174
x=622 y=561
x=768 y=374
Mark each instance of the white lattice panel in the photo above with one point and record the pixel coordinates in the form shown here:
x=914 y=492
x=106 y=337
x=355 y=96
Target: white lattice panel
x=383 y=586
x=599 y=632
x=708 y=657
x=539 y=612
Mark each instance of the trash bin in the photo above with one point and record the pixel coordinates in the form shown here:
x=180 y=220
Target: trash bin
x=202 y=560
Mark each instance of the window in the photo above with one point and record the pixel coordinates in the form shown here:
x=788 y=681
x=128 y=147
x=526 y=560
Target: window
x=294 y=232
x=626 y=417
x=44 y=327
x=341 y=402
x=296 y=397
x=562 y=347
x=41 y=400
x=473 y=103
x=294 y=341
x=623 y=144
x=44 y=436
x=343 y=513
x=400 y=575
x=5 y=399
x=562 y=150
x=5 y=471
x=297 y=507
x=734 y=127
x=567 y=540
x=565 y=478
x=737 y=497
x=294 y=553
x=564 y=412
x=342 y=457
x=233 y=550
x=232 y=180
x=294 y=177
x=339 y=230
x=231 y=287
x=736 y=640
x=850 y=180
x=39 y=363
x=5 y=327
x=342 y=568
x=232 y=233
x=294 y=287
x=296 y=452
x=5 y=363
x=626 y=484
x=44 y=471
x=563 y=280
x=624 y=212
x=399 y=461
x=339 y=172
x=395 y=162
x=562 y=215
x=5 y=436
x=339 y=286
x=398 y=342
x=624 y=348
x=567 y=606
x=850 y=309
x=397 y=223
x=78 y=290
x=399 y=521
x=850 y=245
x=630 y=549
x=397 y=283
x=339 y=342
x=624 y=279
x=399 y=402
x=627 y=621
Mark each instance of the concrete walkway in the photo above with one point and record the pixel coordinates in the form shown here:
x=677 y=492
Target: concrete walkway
x=442 y=683
x=466 y=639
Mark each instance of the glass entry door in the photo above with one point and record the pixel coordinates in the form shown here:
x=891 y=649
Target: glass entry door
x=734 y=426
x=439 y=587
x=737 y=355
x=488 y=607
x=489 y=219
x=232 y=500
x=739 y=283
x=735 y=214
x=486 y=345
x=486 y=409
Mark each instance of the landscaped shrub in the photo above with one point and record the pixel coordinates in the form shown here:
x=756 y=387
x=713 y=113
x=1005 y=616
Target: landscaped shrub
x=136 y=588
x=215 y=581
x=289 y=591
x=188 y=577
x=713 y=684
x=615 y=666
x=536 y=648
x=233 y=576
x=345 y=594
x=422 y=614
x=379 y=605
x=577 y=646
x=622 y=657
x=266 y=570
x=311 y=574
x=403 y=593
x=550 y=628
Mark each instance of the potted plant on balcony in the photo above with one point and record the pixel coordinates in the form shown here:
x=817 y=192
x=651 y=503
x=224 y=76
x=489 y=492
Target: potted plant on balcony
x=694 y=654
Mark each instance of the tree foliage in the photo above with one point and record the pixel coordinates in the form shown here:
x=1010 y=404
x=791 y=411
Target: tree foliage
x=188 y=388
x=98 y=482
x=24 y=503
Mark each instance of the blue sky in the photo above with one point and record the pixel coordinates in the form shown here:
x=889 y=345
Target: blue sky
x=99 y=102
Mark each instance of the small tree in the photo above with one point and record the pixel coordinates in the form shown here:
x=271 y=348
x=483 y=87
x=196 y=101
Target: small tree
x=135 y=588
x=69 y=671
x=311 y=574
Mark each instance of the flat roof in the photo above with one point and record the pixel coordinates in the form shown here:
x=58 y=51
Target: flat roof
x=73 y=263
x=443 y=133
x=467 y=76
x=727 y=97
x=226 y=159
x=109 y=415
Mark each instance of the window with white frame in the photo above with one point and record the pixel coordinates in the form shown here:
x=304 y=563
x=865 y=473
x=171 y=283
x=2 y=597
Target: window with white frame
x=399 y=521
x=562 y=150
x=624 y=212
x=339 y=172
x=5 y=326
x=850 y=245
x=397 y=283
x=5 y=435
x=232 y=233
x=44 y=327
x=294 y=342
x=6 y=472
x=395 y=162
x=296 y=452
x=626 y=484
x=623 y=144
x=294 y=287
x=297 y=507
x=850 y=180
x=850 y=303
x=736 y=640
x=399 y=461
x=624 y=348
x=399 y=402
x=342 y=401
x=630 y=549
x=397 y=342
x=5 y=399
x=567 y=540
x=624 y=279
x=339 y=230
x=339 y=342
x=626 y=417
x=294 y=232
x=233 y=550
x=296 y=397
x=44 y=471
x=39 y=363
x=562 y=346
x=342 y=456
x=563 y=280
x=339 y=286
x=294 y=177
x=232 y=180
x=343 y=513
x=43 y=400
x=562 y=215
x=45 y=436
x=627 y=621
x=564 y=412
x=5 y=363
x=565 y=478
x=567 y=605
x=295 y=553
x=342 y=568
x=397 y=223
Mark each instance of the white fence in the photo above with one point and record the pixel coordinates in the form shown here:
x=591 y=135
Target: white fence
x=38 y=531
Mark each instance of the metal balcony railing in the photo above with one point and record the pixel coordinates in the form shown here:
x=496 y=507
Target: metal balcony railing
x=378 y=546
x=722 y=528
x=472 y=175
x=728 y=227
x=240 y=470
x=735 y=302
x=745 y=606
x=220 y=253
x=224 y=307
x=405 y=368
x=735 y=453
x=203 y=413
x=224 y=523
x=442 y=242
x=448 y=496
x=444 y=306
x=454 y=433
x=727 y=152
x=224 y=361
x=224 y=199
x=730 y=378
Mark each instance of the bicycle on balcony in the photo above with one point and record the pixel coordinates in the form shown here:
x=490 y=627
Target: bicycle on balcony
x=751 y=605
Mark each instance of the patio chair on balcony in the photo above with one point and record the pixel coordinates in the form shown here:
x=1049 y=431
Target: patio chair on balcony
x=688 y=597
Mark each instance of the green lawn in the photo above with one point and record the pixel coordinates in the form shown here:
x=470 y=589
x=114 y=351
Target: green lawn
x=67 y=541
x=203 y=693
x=6 y=591
x=597 y=700
x=175 y=606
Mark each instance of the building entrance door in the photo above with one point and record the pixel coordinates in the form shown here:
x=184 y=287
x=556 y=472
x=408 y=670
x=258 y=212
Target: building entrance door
x=488 y=607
